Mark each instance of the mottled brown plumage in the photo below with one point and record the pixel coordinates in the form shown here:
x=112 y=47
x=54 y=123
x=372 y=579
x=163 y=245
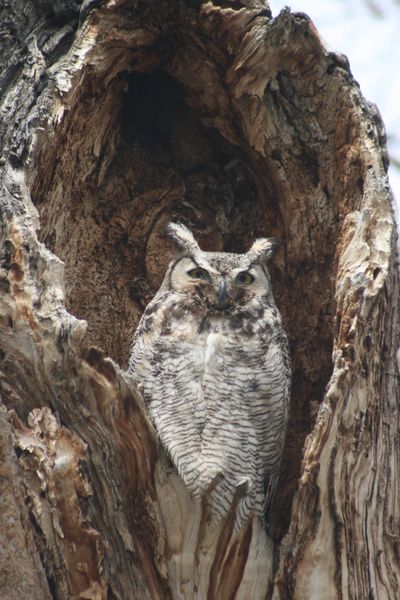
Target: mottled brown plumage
x=212 y=359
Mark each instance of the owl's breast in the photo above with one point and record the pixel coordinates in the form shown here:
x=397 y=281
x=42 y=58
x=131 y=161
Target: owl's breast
x=192 y=324
x=185 y=342
x=212 y=347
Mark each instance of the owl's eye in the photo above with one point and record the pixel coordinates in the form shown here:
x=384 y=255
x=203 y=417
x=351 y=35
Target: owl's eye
x=244 y=278
x=198 y=273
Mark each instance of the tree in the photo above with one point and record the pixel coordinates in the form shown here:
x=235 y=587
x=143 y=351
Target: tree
x=113 y=123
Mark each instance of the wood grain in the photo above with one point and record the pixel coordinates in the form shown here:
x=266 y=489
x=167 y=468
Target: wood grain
x=241 y=126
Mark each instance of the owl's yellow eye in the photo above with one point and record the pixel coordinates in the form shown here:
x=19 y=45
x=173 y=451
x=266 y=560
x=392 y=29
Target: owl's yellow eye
x=198 y=273
x=244 y=278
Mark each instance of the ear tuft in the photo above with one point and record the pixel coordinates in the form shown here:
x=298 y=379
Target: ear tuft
x=264 y=248
x=182 y=237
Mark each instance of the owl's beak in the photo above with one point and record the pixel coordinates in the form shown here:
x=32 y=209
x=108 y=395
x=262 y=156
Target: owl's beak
x=222 y=293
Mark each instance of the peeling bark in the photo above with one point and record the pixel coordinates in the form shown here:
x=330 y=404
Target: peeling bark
x=114 y=121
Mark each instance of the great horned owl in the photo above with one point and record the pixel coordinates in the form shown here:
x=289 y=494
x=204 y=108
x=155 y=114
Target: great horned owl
x=212 y=359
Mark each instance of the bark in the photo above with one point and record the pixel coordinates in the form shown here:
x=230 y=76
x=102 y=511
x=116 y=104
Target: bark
x=117 y=117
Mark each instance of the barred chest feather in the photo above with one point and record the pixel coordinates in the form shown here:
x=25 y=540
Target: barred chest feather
x=212 y=362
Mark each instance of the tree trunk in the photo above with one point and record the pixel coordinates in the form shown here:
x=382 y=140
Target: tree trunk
x=113 y=122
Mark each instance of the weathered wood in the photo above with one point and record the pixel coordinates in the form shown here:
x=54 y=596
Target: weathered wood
x=242 y=126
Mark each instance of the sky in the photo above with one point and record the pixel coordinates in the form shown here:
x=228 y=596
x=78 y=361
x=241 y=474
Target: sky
x=368 y=32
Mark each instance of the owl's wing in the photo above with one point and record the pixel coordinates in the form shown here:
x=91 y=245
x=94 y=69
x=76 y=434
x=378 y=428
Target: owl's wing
x=168 y=370
x=280 y=380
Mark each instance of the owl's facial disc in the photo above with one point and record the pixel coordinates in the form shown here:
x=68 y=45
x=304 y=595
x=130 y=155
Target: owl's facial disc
x=221 y=286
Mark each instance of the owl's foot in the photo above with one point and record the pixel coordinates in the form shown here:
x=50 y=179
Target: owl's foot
x=210 y=478
x=213 y=484
x=243 y=487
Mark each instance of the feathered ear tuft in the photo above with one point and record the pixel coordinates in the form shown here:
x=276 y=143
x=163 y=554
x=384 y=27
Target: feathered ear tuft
x=264 y=248
x=183 y=238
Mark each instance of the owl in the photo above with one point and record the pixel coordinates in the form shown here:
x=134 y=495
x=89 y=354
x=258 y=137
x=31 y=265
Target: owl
x=211 y=358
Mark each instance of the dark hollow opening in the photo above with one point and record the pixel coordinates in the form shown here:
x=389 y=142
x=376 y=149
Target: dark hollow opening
x=159 y=163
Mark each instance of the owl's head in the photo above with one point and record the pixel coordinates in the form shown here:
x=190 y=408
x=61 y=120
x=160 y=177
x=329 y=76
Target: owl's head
x=224 y=280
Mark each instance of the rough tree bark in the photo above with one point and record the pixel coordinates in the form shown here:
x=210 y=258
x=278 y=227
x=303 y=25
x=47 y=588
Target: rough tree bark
x=116 y=117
